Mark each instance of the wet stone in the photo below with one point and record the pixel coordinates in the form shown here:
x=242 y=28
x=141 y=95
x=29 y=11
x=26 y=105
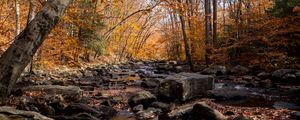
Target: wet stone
x=138 y=108
x=278 y=74
x=69 y=93
x=248 y=78
x=250 y=85
x=289 y=78
x=263 y=75
x=143 y=97
x=106 y=112
x=150 y=82
x=295 y=115
x=150 y=113
x=46 y=110
x=215 y=69
x=229 y=113
x=202 y=111
x=163 y=106
x=87 y=88
x=285 y=105
x=28 y=100
x=239 y=70
x=76 y=108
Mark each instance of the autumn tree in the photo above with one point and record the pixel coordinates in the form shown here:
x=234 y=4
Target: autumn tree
x=284 y=7
x=90 y=23
x=19 y=54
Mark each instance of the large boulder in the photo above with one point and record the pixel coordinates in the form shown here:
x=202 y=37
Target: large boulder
x=202 y=111
x=9 y=113
x=216 y=69
x=151 y=82
x=184 y=86
x=144 y=98
x=69 y=93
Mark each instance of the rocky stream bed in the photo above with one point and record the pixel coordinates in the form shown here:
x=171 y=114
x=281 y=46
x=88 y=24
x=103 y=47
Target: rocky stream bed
x=155 y=90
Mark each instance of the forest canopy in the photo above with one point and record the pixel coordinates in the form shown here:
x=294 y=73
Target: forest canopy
x=118 y=30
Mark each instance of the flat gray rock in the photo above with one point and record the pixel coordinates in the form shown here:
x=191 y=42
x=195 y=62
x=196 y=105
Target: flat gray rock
x=9 y=113
x=69 y=93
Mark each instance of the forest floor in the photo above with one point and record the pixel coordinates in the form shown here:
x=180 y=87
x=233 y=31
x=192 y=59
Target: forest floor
x=107 y=90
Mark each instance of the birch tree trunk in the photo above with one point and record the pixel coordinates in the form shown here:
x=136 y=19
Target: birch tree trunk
x=17 y=5
x=25 y=45
x=31 y=13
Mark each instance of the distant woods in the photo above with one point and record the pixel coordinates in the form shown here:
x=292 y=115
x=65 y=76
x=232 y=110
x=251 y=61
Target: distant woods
x=190 y=31
x=229 y=31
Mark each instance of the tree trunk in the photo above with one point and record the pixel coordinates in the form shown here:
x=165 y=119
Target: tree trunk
x=17 y=5
x=207 y=30
x=25 y=45
x=31 y=15
x=185 y=39
x=178 y=40
x=238 y=19
x=191 y=6
x=215 y=23
x=224 y=20
x=248 y=9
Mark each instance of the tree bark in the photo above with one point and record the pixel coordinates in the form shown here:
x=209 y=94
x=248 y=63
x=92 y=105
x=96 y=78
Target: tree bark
x=185 y=39
x=248 y=9
x=207 y=30
x=215 y=23
x=31 y=15
x=25 y=45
